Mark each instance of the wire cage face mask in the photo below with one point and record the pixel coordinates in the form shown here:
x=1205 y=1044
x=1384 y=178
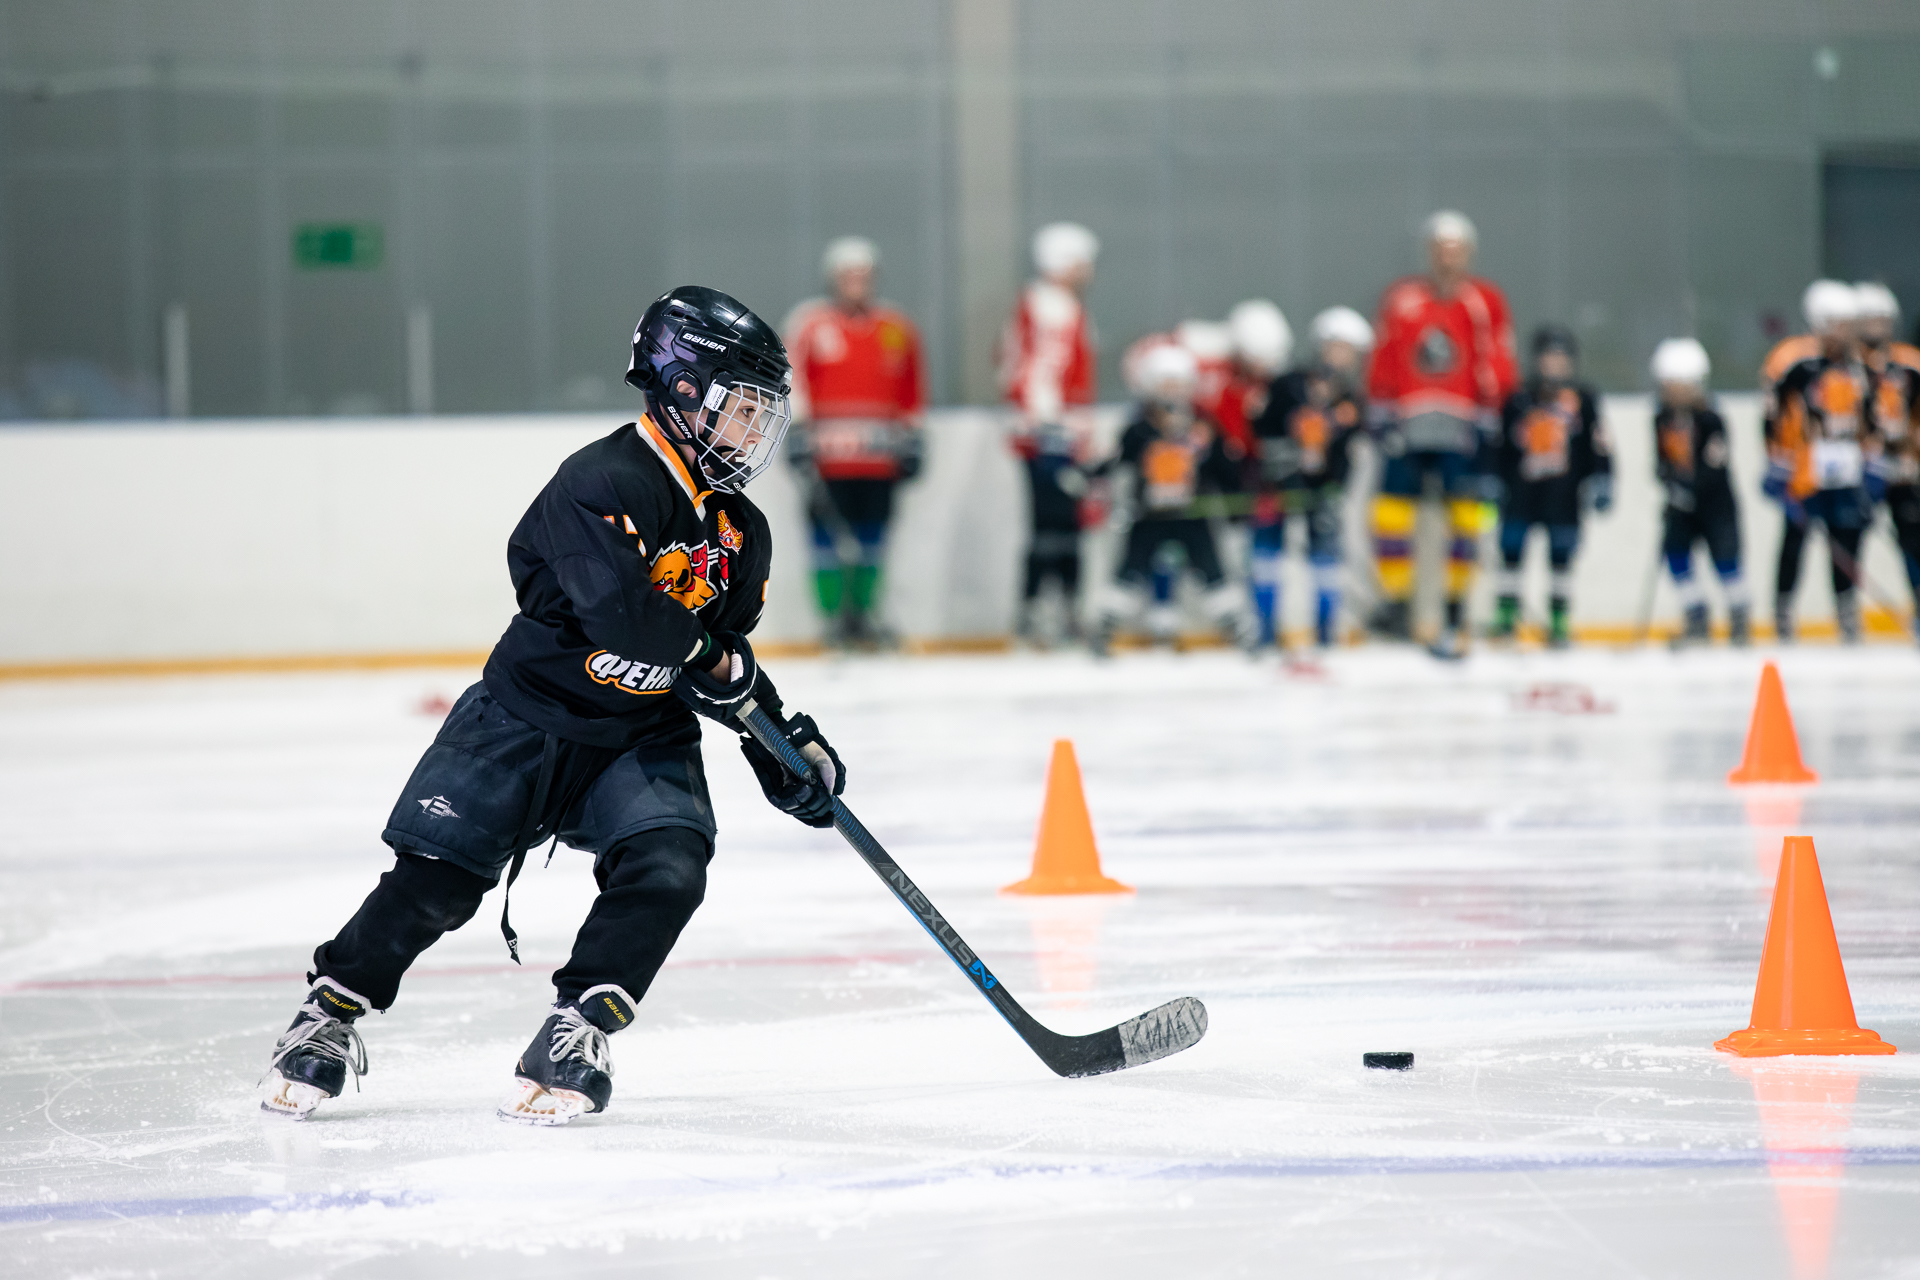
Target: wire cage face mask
x=738 y=430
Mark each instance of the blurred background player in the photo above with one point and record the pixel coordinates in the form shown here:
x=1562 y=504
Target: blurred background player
x=860 y=398
x=1176 y=459
x=1895 y=467
x=1047 y=371
x=1553 y=461
x=1443 y=368
x=1817 y=457
x=1303 y=440
x=1691 y=451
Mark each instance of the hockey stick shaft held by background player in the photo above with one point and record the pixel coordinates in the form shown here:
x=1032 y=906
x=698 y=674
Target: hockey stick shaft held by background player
x=1166 y=1030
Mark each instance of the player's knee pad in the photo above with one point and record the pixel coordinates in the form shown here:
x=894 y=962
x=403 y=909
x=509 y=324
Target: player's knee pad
x=668 y=865
x=1466 y=517
x=1680 y=565
x=872 y=537
x=441 y=895
x=1513 y=542
x=1562 y=541
x=1394 y=516
x=1326 y=574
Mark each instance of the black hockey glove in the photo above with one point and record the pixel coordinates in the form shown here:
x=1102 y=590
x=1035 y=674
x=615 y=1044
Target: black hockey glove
x=909 y=453
x=717 y=699
x=810 y=802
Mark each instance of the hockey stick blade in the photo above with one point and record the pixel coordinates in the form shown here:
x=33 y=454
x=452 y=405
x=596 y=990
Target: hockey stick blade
x=1155 y=1034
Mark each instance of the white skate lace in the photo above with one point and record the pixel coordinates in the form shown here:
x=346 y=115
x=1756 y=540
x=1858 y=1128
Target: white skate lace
x=574 y=1034
x=326 y=1036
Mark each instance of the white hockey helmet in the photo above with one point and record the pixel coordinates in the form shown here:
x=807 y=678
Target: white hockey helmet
x=1874 y=301
x=1261 y=335
x=1168 y=373
x=848 y=253
x=1342 y=324
x=1059 y=247
x=1449 y=224
x=1829 y=302
x=1206 y=339
x=1681 y=360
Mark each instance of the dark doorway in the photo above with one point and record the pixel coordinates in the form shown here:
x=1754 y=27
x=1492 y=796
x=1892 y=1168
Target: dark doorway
x=1870 y=223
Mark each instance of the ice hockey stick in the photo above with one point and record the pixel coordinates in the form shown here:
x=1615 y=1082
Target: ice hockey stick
x=1157 y=1033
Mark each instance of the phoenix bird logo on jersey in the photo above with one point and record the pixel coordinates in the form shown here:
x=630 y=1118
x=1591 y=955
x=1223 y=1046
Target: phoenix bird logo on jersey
x=729 y=536
x=686 y=573
x=1436 y=353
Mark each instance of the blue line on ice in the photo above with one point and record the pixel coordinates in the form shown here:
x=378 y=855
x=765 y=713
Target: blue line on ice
x=1573 y=1161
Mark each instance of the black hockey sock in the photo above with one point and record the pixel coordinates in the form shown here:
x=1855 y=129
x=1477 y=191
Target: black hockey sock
x=416 y=902
x=1456 y=612
x=650 y=886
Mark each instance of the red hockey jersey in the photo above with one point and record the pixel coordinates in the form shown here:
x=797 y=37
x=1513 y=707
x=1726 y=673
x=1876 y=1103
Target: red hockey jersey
x=1452 y=356
x=857 y=383
x=1047 y=357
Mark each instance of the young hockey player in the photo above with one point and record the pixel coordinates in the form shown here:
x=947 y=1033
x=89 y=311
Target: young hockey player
x=639 y=569
x=859 y=400
x=1553 y=461
x=1444 y=366
x=1822 y=423
x=1691 y=451
x=1895 y=467
x=1304 y=435
x=1177 y=459
x=1047 y=371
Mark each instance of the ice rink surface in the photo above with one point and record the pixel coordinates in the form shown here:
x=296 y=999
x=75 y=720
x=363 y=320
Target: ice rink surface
x=1558 y=910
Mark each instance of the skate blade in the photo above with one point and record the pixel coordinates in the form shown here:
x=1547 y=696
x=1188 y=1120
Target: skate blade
x=289 y=1099
x=530 y=1104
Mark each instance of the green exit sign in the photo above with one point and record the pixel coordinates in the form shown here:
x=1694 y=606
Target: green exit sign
x=338 y=246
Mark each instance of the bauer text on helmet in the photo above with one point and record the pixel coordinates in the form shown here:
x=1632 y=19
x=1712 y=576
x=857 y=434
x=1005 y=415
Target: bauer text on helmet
x=1063 y=249
x=1262 y=338
x=1830 y=306
x=1681 y=362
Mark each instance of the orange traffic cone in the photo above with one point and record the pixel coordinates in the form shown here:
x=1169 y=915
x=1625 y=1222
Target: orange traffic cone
x=1801 y=1003
x=1773 y=749
x=1064 y=858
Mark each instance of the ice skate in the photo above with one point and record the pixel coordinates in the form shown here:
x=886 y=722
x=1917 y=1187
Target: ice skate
x=311 y=1060
x=1783 y=623
x=1506 y=620
x=1450 y=645
x=1392 y=620
x=1739 y=626
x=1559 y=635
x=1846 y=613
x=567 y=1071
x=1695 y=630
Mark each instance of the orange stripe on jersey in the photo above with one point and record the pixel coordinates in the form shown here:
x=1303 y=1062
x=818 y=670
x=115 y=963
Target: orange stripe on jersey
x=671 y=456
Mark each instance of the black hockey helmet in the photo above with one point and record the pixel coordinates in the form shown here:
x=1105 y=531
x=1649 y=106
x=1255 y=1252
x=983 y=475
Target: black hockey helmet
x=717 y=378
x=1555 y=337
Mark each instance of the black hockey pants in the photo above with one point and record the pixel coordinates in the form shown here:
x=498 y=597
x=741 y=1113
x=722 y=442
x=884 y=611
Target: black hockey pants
x=650 y=885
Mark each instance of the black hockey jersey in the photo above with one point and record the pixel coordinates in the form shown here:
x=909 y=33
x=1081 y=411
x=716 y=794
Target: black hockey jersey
x=1172 y=469
x=622 y=565
x=1822 y=421
x=1552 y=434
x=1304 y=436
x=1691 y=452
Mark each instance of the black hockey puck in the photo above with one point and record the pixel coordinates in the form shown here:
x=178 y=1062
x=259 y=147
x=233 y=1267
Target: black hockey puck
x=1388 y=1061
